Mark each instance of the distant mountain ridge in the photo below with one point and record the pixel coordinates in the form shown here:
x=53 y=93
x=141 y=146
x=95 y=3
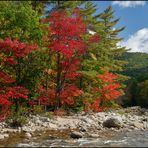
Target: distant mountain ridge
x=137 y=64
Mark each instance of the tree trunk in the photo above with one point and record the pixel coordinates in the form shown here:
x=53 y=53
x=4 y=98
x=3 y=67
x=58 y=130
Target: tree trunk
x=58 y=82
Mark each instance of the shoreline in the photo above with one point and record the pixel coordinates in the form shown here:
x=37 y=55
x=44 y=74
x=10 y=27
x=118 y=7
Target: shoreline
x=83 y=124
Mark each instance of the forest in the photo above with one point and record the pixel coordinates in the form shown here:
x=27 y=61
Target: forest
x=62 y=56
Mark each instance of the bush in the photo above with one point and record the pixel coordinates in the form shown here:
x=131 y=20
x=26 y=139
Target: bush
x=37 y=109
x=18 y=119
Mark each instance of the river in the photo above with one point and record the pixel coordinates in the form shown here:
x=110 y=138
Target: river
x=62 y=139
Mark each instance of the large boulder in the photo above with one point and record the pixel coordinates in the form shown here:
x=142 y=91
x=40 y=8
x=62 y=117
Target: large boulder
x=112 y=122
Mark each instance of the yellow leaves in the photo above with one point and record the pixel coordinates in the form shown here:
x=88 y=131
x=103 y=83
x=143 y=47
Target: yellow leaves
x=50 y=71
x=93 y=56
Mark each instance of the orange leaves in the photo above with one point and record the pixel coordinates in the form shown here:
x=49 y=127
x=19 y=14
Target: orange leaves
x=60 y=112
x=69 y=93
x=95 y=106
x=50 y=71
x=109 y=90
x=110 y=87
x=107 y=77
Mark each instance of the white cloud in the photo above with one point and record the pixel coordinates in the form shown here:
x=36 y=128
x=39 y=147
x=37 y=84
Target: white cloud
x=138 y=42
x=125 y=4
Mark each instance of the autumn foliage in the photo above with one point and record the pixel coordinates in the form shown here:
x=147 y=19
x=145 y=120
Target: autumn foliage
x=10 y=92
x=59 y=86
x=66 y=47
x=109 y=90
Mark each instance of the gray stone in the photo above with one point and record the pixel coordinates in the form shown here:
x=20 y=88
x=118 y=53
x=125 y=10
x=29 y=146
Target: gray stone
x=83 y=129
x=112 y=122
x=26 y=129
x=38 y=122
x=44 y=119
x=76 y=134
x=145 y=124
x=54 y=126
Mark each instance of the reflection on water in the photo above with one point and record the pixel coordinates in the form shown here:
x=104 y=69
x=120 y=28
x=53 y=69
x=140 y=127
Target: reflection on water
x=122 y=139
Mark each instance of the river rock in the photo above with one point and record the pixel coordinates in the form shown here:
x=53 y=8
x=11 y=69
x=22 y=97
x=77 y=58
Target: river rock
x=44 y=119
x=26 y=129
x=145 y=124
x=82 y=129
x=28 y=135
x=93 y=135
x=112 y=122
x=138 y=125
x=6 y=135
x=2 y=137
x=76 y=134
x=54 y=126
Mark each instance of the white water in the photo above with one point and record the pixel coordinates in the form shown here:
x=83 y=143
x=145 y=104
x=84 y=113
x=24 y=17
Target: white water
x=134 y=139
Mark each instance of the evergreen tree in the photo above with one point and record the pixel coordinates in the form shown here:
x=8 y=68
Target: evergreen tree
x=108 y=51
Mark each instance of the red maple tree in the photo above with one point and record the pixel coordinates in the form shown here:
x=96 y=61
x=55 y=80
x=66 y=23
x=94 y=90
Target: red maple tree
x=66 y=44
x=10 y=91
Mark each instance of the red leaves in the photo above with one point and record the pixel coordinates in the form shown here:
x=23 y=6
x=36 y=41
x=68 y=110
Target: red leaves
x=17 y=92
x=4 y=102
x=94 y=38
x=5 y=105
x=12 y=51
x=65 y=33
x=72 y=75
x=65 y=38
x=16 y=48
x=5 y=79
x=10 y=61
x=66 y=27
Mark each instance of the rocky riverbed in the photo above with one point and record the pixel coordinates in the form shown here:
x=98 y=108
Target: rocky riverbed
x=77 y=126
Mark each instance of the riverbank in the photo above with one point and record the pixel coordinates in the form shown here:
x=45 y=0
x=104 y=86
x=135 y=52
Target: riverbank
x=83 y=124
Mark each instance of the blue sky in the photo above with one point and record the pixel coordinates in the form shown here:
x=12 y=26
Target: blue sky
x=133 y=15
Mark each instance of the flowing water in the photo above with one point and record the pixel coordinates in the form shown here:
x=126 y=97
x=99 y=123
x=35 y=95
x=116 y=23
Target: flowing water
x=62 y=139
